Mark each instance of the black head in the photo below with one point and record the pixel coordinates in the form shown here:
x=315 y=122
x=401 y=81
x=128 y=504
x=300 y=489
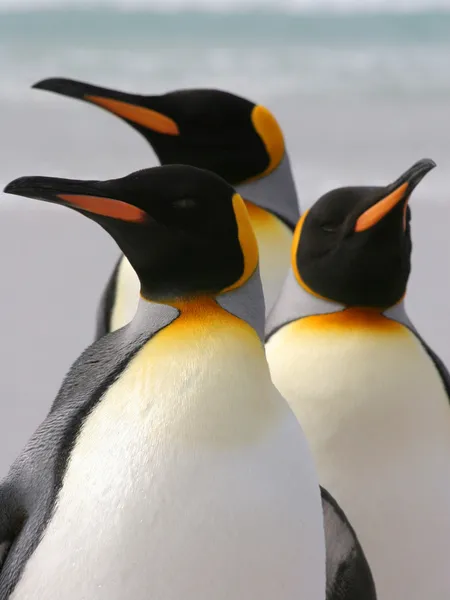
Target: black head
x=184 y=230
x=209 y=129
x=354 y=245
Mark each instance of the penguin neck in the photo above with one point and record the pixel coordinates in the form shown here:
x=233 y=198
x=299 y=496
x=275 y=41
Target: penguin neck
x=246 y=303
x=295 y=302
x=398 y=313
x=274 y=193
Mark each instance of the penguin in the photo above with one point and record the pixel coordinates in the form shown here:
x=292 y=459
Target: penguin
x=362 y=382
x=212 y=129
x=169 y=465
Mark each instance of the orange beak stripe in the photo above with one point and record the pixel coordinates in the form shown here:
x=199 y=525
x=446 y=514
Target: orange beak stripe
x=107 y=207
x=376 y=212
x=151 y=119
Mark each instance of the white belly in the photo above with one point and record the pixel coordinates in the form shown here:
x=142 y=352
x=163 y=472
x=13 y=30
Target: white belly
x=185 y=483
x=377 y=418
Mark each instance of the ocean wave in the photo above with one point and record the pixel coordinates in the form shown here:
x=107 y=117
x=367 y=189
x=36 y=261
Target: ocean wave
x=270 y=74
x=270 y=55
x=280 y=6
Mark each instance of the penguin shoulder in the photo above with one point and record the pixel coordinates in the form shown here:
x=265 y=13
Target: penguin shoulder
x=97 y=366
x=28 y=495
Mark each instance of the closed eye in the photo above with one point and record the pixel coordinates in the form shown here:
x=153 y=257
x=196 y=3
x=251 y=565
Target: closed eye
x=329 y=227
x=185 y=204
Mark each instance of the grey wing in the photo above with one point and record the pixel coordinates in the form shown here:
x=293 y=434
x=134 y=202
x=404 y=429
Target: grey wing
x=348 y=573
x=440 y=366
x=12 y=517
x=106 y=304
x=26 y=504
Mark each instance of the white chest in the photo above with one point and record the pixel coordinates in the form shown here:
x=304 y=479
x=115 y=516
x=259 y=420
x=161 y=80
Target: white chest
x=126 y=298
x=377 y=418
x=274 y=244
x=189 y=480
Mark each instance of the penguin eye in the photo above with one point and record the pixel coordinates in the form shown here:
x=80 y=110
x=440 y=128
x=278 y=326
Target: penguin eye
x=184 y=204
x=329 y=226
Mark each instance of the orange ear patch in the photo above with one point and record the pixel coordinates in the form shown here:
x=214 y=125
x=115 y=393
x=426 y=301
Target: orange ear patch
x=270 y=132
x=247 y=240
x=258 y=215
x=151 y=119
x=107 y=207
x=376 y=212
x=294 y=247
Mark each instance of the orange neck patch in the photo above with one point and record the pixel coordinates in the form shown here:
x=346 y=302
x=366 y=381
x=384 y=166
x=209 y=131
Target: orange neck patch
x=258 y=215
x=350 y=319
x=203 y=307
x=247 y=241
x=203 y=312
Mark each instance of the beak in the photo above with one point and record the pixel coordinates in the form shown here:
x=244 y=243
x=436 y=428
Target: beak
x=397 y=192
x=84 y=196
x=132 y=108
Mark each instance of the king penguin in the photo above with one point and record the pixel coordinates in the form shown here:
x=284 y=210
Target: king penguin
x=215 y=130
x=370 y=397
x=169 y=465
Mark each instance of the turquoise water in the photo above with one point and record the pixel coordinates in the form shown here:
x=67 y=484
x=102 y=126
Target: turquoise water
x=150 y=27
x=349 y=87
x=299 y=52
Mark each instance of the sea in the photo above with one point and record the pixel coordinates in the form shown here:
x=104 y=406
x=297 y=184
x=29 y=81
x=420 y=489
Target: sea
x=360 y=87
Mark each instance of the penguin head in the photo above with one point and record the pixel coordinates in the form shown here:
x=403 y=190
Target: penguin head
x=353 y=246
x=185 y=231
x=206 y=128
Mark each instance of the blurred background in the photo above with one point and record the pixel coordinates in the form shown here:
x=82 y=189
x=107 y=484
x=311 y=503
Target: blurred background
x=361 y=88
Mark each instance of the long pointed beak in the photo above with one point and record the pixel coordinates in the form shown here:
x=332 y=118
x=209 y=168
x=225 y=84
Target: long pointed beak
x=397 y=192
x=130 y=107
x=84 y=196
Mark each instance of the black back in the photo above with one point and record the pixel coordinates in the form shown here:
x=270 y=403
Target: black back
x=349 y=576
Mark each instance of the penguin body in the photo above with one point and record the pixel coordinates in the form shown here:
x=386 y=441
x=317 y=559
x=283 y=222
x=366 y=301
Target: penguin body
x=218 y=131
x=370 y=399
x=169 y=464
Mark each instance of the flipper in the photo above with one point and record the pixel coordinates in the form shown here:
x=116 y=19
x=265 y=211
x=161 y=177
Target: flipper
x=12 y=517
x=106 y=304
x=349 y=576
x=440 y=366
